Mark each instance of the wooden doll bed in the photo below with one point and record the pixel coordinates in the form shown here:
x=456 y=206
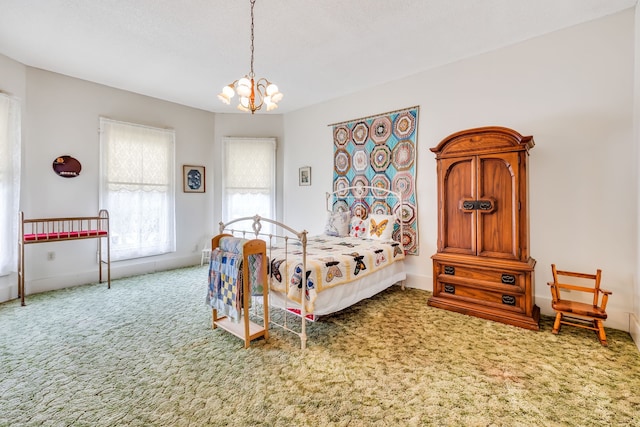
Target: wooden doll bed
x=340 y=270
x=49 y=230
x=243 y=328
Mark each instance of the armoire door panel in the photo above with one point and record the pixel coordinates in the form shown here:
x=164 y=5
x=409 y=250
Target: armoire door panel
x=459 y=225
x=497 y=229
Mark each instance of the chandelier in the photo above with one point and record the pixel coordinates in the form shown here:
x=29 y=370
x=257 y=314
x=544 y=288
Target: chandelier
x=253 y=93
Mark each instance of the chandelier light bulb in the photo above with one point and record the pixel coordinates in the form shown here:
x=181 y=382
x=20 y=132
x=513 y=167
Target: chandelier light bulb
x=244 y=87
x=226 y=94
x=224 y=98
x=228 y=91
x=271 y=89
x=276 y=97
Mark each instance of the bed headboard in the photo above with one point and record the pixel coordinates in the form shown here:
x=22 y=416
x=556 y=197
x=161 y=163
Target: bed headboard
x=363 y=200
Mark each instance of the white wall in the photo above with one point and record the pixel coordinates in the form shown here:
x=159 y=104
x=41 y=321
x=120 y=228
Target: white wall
x=61 y=117
x=12 y=77
x=571 y=90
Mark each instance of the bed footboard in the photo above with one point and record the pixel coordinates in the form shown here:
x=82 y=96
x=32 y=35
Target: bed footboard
x=283 y=235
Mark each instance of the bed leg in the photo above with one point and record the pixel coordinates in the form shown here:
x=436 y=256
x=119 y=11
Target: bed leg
x=21 y=274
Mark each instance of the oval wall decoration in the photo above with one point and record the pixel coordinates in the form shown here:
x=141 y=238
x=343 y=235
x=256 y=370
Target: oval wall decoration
x=66 y=167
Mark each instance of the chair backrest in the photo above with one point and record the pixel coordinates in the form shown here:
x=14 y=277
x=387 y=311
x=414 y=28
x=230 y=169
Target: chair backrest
x=572 y=278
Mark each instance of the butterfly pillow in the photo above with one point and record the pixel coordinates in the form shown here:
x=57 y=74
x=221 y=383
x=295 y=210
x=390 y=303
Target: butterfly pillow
x=381 y=226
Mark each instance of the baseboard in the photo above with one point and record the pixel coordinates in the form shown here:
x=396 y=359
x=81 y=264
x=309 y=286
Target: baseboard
x=617 y=319
x=634 y=329
x=418 y=281
x=8 y=287
x=119 y=269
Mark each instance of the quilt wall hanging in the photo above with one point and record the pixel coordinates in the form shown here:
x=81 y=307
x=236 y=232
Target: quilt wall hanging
x=380 y=151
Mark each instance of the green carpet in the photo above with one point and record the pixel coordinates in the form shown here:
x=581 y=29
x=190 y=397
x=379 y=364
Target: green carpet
x=143 y=354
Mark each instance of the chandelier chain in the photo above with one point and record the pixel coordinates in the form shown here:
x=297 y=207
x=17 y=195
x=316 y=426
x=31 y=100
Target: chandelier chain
x=251 y=74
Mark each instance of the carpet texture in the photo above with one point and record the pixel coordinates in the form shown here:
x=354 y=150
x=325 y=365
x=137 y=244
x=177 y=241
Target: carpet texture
x=143 y=354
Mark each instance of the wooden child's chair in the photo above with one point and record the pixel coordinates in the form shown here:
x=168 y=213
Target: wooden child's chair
x=581 y=314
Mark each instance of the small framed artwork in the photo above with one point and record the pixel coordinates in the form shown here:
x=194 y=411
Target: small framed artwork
x=193 y=179
x=304 y=177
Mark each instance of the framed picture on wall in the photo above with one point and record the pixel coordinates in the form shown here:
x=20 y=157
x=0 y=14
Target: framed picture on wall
x=304 y=177
x=193 y=179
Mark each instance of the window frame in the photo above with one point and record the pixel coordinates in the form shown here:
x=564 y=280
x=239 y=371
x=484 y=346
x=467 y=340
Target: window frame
x=271 y=144
x=165 y=224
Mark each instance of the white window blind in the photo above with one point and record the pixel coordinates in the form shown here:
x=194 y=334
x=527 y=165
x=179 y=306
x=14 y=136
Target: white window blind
x=137 y=188
x=249 y=177
x=10 y=140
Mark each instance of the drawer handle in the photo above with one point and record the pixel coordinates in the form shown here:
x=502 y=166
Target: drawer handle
x=508 y=279
x=449 y=270
x=508 y=299
x=450 y=289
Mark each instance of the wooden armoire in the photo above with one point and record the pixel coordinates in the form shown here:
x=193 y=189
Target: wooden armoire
x=483 y=267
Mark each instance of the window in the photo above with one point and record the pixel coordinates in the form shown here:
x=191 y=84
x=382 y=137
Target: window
x=10 y=125
x=249 y=178
x=137 y=188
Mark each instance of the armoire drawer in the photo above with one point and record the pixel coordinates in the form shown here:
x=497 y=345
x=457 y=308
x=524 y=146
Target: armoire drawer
x=511 y=301
x=493 y=278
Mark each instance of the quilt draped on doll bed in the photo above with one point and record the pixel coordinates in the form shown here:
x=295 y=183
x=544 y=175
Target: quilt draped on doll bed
x=225 y=290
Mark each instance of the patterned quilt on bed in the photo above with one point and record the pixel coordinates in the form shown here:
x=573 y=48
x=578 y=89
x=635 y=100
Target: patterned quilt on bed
x=331 y=261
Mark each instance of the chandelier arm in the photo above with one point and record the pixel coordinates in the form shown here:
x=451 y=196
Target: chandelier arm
x=262 y=84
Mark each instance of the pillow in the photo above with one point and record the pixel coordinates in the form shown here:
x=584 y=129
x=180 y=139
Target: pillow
x=359 y=227
x=337 y=224
x=381 y=226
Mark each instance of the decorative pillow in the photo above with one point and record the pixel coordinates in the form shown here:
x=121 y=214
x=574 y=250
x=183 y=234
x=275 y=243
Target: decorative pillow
x=359 y=227
x=337 y=224
x=381 y=226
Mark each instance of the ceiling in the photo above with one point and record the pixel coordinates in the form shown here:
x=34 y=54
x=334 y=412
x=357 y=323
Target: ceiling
x=185 y=51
